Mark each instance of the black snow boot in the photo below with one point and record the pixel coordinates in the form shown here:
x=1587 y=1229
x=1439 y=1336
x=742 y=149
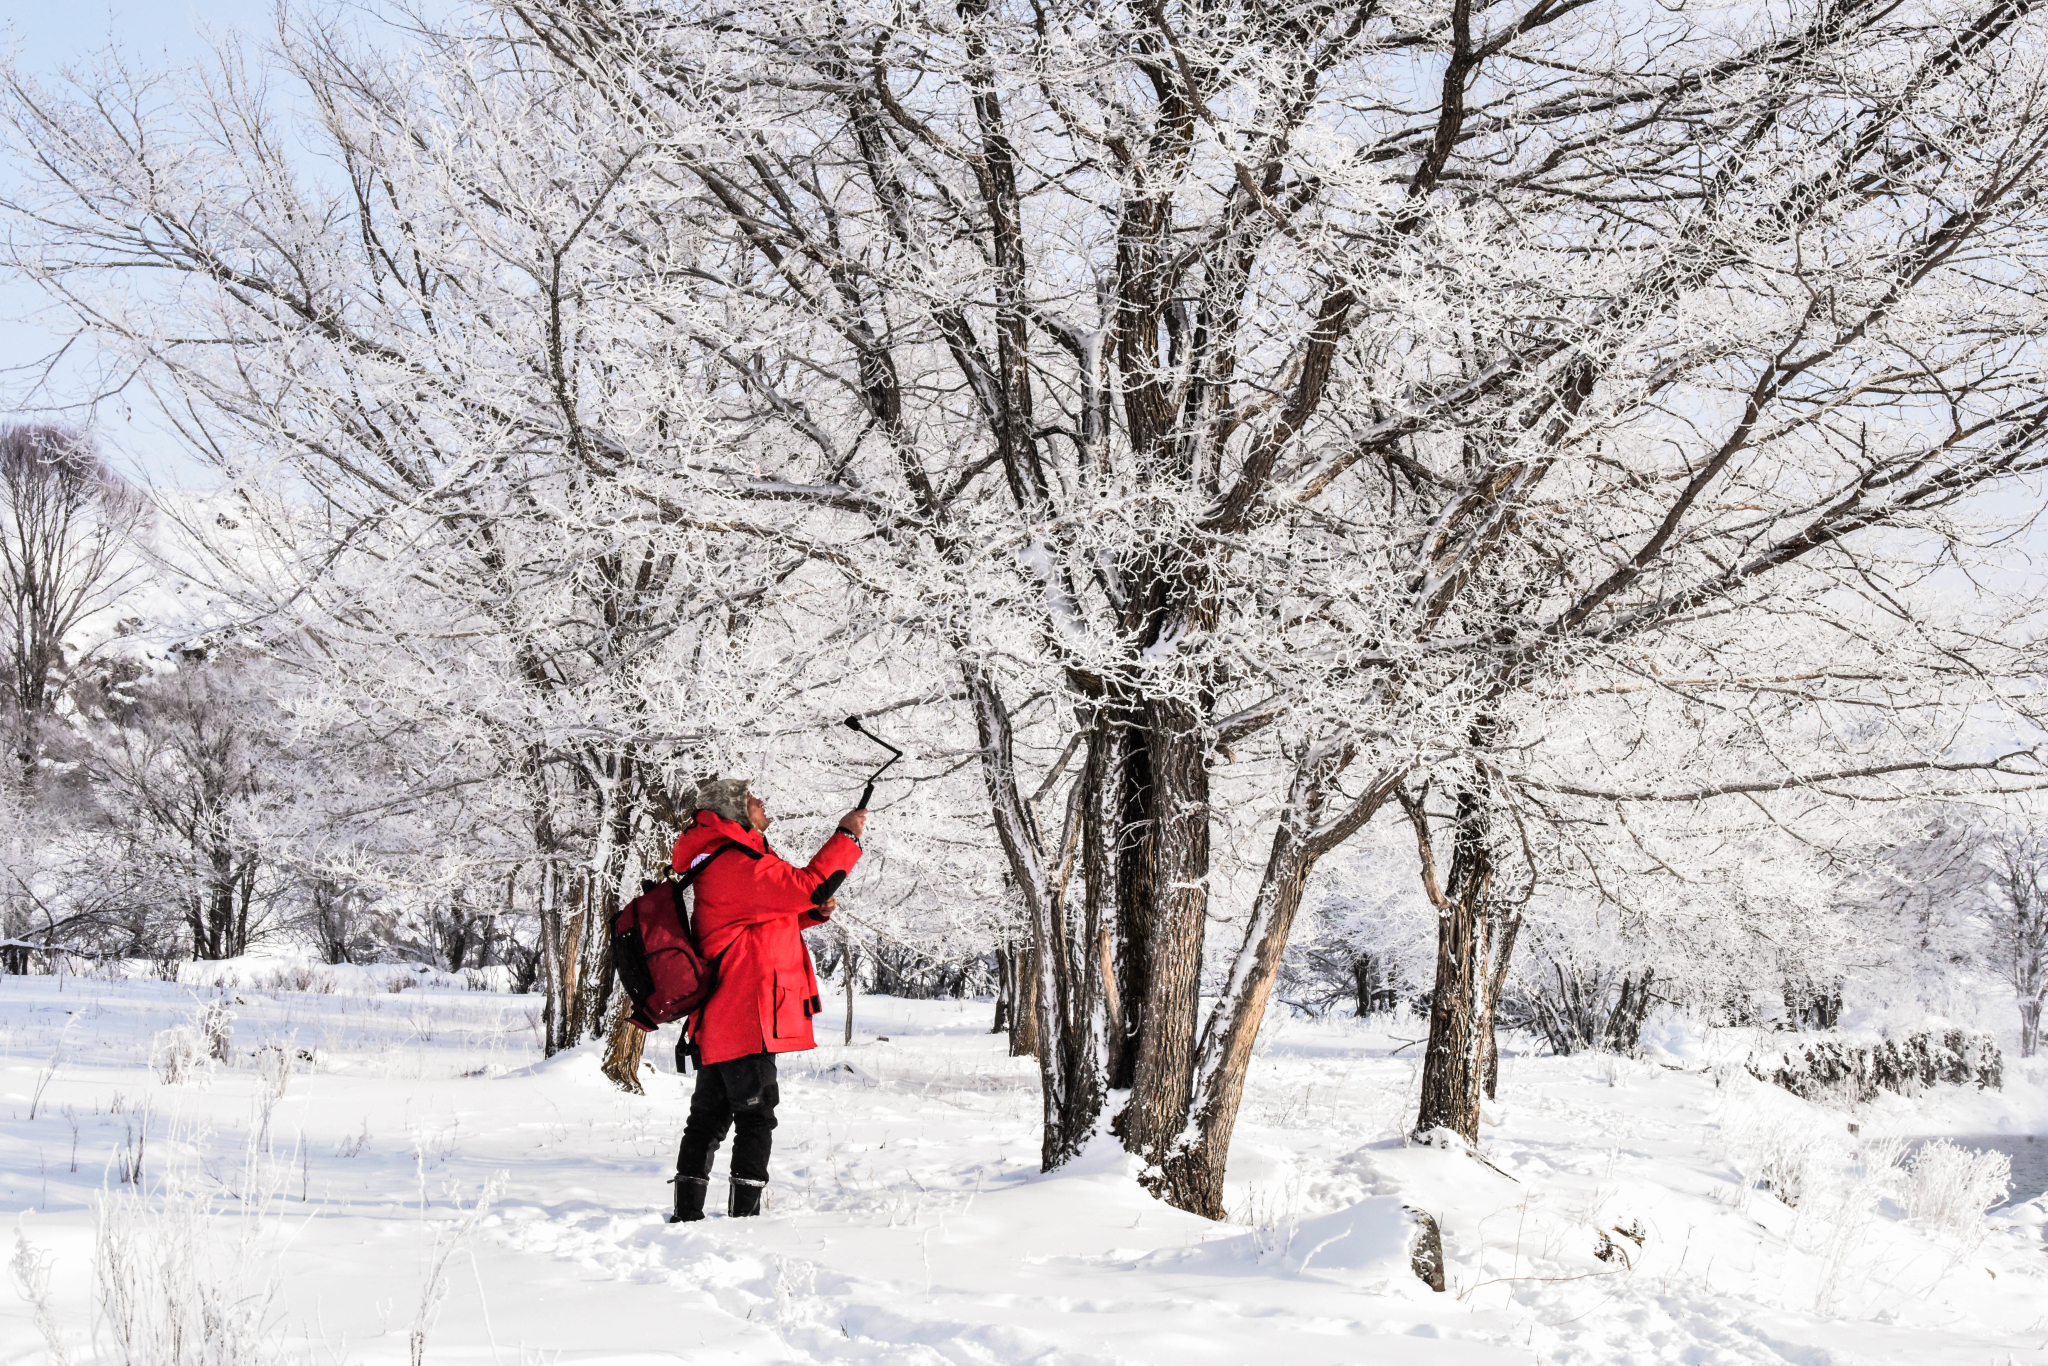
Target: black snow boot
x=689 y=1199
x=745 y=1201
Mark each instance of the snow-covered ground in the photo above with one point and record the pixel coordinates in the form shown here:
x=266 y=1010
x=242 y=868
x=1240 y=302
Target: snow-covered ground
x=419 y=1186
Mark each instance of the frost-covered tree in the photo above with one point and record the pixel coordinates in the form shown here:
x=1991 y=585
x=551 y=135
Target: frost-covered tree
x=188 y=775
x=2016 y=915
x=65 y=525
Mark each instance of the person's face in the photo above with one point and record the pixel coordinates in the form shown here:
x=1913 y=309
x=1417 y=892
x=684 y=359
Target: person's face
x=757 y=814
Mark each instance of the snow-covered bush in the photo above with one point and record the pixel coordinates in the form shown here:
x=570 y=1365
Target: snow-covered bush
x=1951 y=1188
x=30 y=1267
x=186 y=1053
x=1778 y=1152
x=1845 y=1072
x=299 y=977
x=179 y=1056
x=217 y=1027
x=178 y=1284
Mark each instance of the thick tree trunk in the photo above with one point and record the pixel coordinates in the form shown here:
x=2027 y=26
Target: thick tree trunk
x=1453 y=1066
x=1461 y=1003
x=1006 y=988
x=1365 y=982
x=589 y=963
x=621 y=803
x=578 y=906
x=218 y=931
x=1164 y=1076
x=1625 y=1025
x=564 y=924
x=1119 y=848
x=1023 y=1024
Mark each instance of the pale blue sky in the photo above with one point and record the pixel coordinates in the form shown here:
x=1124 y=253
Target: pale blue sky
x=46 y=35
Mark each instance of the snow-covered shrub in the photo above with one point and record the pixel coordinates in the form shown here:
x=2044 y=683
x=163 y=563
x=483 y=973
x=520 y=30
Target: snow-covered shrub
x=1851 y=1072
x=1835 y=1220
x=217 y=1027
x=179 y=1056
x=1777 y=1153
x=178 y=1284
x=31 y=1270
x=273 y=1078
x=1950 y=1188
x=1578 y=1002
x=297 y=977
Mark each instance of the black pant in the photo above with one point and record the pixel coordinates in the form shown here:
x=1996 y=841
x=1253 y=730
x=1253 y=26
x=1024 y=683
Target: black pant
x=739 y=1094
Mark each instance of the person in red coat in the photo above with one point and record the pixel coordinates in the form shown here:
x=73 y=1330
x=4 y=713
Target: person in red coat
x=751 y=910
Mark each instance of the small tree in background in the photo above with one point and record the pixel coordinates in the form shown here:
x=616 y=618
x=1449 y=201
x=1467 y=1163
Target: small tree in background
x=185 y=776
x=2016 y=912
x=65 y=525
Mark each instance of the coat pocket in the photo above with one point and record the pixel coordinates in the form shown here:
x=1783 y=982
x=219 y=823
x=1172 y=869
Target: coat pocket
x=791 y=1021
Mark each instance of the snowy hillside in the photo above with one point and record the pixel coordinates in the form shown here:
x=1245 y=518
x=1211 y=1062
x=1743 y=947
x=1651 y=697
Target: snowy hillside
x=418 y=1185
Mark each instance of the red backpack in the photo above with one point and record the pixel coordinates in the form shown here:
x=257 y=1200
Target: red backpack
x=656 y=954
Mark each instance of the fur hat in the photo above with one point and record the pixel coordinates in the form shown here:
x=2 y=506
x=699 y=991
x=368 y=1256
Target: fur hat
x=726 y=796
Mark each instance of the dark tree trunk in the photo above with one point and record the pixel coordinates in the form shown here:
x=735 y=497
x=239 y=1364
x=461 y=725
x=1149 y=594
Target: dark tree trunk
x=219 y=914
x=1461 y=1004
x=1120 y=847
x=1625 y=1024
x=1190 y=1175
x=850 y=961
x=245 y=893
x=1164 y=1076
x=1811 y=1005
x=1006 y=988
x=1024 y=1010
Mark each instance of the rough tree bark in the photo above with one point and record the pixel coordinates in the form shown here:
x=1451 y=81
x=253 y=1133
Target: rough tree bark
x=1023 y=1022
x=1468 y=966
x=1163 y=1078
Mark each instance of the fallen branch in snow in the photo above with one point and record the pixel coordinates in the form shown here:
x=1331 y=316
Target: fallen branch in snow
x=1544 y=1280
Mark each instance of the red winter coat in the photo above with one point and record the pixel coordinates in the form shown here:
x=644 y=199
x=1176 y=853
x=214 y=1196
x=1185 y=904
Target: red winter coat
x=750 y=916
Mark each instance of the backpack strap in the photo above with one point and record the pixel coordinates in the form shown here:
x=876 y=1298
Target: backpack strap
x=689 y=875
x=686 y=1042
